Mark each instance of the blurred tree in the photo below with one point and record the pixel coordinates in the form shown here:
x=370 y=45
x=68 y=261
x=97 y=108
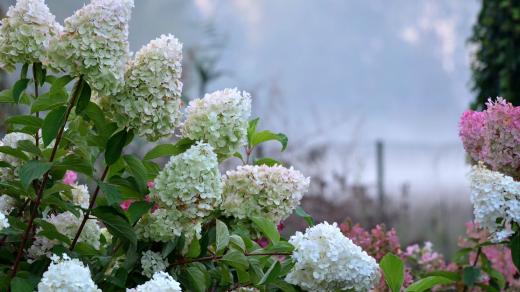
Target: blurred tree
x=496 y=64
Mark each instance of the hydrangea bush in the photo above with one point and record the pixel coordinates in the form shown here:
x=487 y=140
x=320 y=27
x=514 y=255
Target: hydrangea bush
x=80 y=212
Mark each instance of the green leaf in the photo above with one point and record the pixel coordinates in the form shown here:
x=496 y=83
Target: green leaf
x=29 y=147
x=115 y=146
x=52 y=123
x=280 y=246
x=236 y=259
x=74 y=162
x=514 y=245
x=427 y=283
x=23 y=72
x=267 y=161
x=138 y=171
x=116 y=224
x=39 y=74
x=162 y=150
x=393 y=269
x=18 y=88
x=222 y=236
x=13 y=152
x=57 y=188
x=301 y=213
x=267 y=228
x=271 y=274
x=6 y=96
x=32 y=170
x=266 y=135
x=21 y=285
x=60 y=204
x=84 y=97
x=50 y=100
x=85 y=249
x=193 y=249
x=50 y=231
x=137 y=210
x=237 y=242
x=471 y=275
x=169 y=247
x=194 y=278
x=25 y=120
x=111 y=193
x=251 y=130
x=498 y=278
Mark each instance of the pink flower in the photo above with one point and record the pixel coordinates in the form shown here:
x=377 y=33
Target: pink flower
x=262 y=242
x=150 y=184
x=70 y=177
x=472 y=133
x=126 y=204
x=280 y=227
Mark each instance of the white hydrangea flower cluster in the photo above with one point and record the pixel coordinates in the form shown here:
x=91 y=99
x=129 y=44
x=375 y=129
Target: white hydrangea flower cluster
x=67 y=224
x=220 y=119
x=25 y=33
x=161 y=281
x=4 y=223
x=151 y=99
x=80 y=195
x=7 y=204
x=153 y=262
x=187 y=190
x=495 y=197
x=67 y=275
x=94 y=44
x=326 y=260
x=269 y=191
x=12 y=140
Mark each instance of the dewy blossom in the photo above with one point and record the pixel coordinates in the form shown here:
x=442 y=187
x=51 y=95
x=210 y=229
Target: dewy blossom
x=326 y=260
x=272 y=192
x=25 y=33
x=161 y=281
x=67 y=275
x=187 y=190
x=94 y=44
x=496 y=201
x=67 y=224
x=220 y=119
x=152 y=262
x=11 y=140
x=151 y=100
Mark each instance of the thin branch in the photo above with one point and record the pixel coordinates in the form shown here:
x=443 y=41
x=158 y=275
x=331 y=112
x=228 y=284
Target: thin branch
x=87 y=213
x=39 y=194
x=216 y=257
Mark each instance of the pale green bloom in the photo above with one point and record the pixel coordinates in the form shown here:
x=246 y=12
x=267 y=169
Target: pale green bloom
x=152 y=262
x=25 y=33
x=272 y=192
x=220 y=119
x=151 y=100
x=94 y=44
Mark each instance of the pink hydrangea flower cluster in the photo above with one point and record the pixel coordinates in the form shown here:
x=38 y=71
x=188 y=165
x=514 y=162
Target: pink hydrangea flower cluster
x=70 y=177
x=493 y=136
x=498 y=255
x=377 y=242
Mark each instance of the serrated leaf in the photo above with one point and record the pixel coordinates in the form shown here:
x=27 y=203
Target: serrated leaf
x=393 y=269
x=52 y=123
x=267 y=135
x=267 y=228
x=32 y=170
x=115 y=146
x=236 y=259
x=162 y=150
x=18 y=88
x=222 y=236
x=427 y=283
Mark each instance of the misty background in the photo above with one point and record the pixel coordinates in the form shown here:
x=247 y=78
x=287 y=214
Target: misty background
x=336 y=76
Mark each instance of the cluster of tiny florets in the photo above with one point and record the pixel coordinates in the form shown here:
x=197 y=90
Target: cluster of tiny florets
x=161 y=281
x=4 y=223
x=187 y=190
x=326 y=260
x=272 y=192
x=67 y=275
x=11 y=140
x=152 y=262
x=67 y=224
x=151 y=99
x=220 y=119
x=496 y=201
x=25 y=33
x=7 y=204
x=79 y=195
x=94 y=44
x=493 y=136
